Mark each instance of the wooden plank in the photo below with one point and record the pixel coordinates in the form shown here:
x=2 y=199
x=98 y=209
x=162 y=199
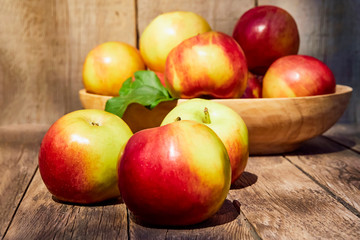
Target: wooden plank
x=284 y=203
x=18 y=163
x=227 y=223
x=222 y=15
x=41 y=217
x=334 y=167
x=44 y=48
x=328 y=31
x=345 y=134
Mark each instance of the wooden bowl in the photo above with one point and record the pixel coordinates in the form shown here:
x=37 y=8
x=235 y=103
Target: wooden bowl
x=276 y=125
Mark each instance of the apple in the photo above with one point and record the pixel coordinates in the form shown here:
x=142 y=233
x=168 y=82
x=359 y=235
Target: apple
x=298 y=76
x=225 y=122
x=160 y=75
x=211 y=64
x=79 y=154
x=266 y=33
x=165 y=32
x=254 y=86
x=108 y=65
x=177 y=174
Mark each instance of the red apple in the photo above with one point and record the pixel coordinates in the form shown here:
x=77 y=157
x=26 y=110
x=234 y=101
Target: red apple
x=177 y=174
x=266 y=33
x=160 y=75
x=165 y=32
x=108 y=65
x=254 y=86
x=211 y=64
x=79 y=154
x=225 y=122
x=298 y=76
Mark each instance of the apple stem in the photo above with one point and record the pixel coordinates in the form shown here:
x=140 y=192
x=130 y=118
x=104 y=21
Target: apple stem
x=206 y=119
x=95 y=124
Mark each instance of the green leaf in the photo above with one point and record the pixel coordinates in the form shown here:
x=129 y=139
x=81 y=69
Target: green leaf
x=146 y=90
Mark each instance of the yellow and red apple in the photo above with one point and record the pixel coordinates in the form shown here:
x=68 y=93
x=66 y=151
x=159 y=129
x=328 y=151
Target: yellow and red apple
x=298 y=76
x=225 y=122
x=254 y=86
x=79 y=154
x=266 y=33
x=211 y=64
x=108 y=65
x=176 y=174
x=165 y=32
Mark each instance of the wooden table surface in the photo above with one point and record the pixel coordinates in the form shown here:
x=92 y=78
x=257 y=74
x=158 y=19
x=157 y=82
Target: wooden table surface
x=312 y=193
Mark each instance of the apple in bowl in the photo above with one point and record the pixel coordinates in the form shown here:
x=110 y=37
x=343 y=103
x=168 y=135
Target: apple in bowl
x=108 y=65
x=254 y=86
x=177 y=174
x=165 y=32
x=298 y=76
x=79 y=154
x=266 y=33
x=211 y=64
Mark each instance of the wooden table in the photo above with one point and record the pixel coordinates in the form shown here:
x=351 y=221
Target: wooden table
x=313 y=193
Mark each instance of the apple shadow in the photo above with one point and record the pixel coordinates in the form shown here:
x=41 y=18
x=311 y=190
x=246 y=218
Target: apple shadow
x=113 y=201
x=228 y=212
x=245 y=180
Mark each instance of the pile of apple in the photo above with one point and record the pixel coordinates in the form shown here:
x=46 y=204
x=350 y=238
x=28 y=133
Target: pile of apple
x=180 y=172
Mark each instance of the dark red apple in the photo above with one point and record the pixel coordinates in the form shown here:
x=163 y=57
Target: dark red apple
x=266 y=33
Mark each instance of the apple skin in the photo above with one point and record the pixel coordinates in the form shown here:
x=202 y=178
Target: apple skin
x=165 y=32
x=225 y=122
x=79 y=154
x=108 y=65
x=298 y=76
x=266 y=33
x=160 y=75
x=254 y=86
x=178 y=174
x=211 y=64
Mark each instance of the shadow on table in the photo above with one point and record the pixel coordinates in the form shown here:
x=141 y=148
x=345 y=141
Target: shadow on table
x=245 y=180
x=109 y=202
x=228 y=212
x=320 y=145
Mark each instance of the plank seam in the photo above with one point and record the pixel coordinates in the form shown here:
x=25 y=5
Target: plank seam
x=237 y=205
x=326 y=189
x=128 y=222
x=21 y=199
x=137 y=33
x=340 y=143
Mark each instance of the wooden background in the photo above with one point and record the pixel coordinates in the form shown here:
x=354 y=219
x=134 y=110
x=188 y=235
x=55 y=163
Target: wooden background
x=43 y=44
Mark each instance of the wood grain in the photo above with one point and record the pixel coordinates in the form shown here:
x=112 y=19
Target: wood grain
x=17 y=166
x=328 y=32
x=332 y=166
x=227 y=223
x=345 y=134
x=41 y=217
x=43 y=46
x=18 y=163
x=284 y=203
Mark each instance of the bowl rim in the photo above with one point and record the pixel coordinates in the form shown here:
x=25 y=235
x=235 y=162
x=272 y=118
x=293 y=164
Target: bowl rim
x=340 y=89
